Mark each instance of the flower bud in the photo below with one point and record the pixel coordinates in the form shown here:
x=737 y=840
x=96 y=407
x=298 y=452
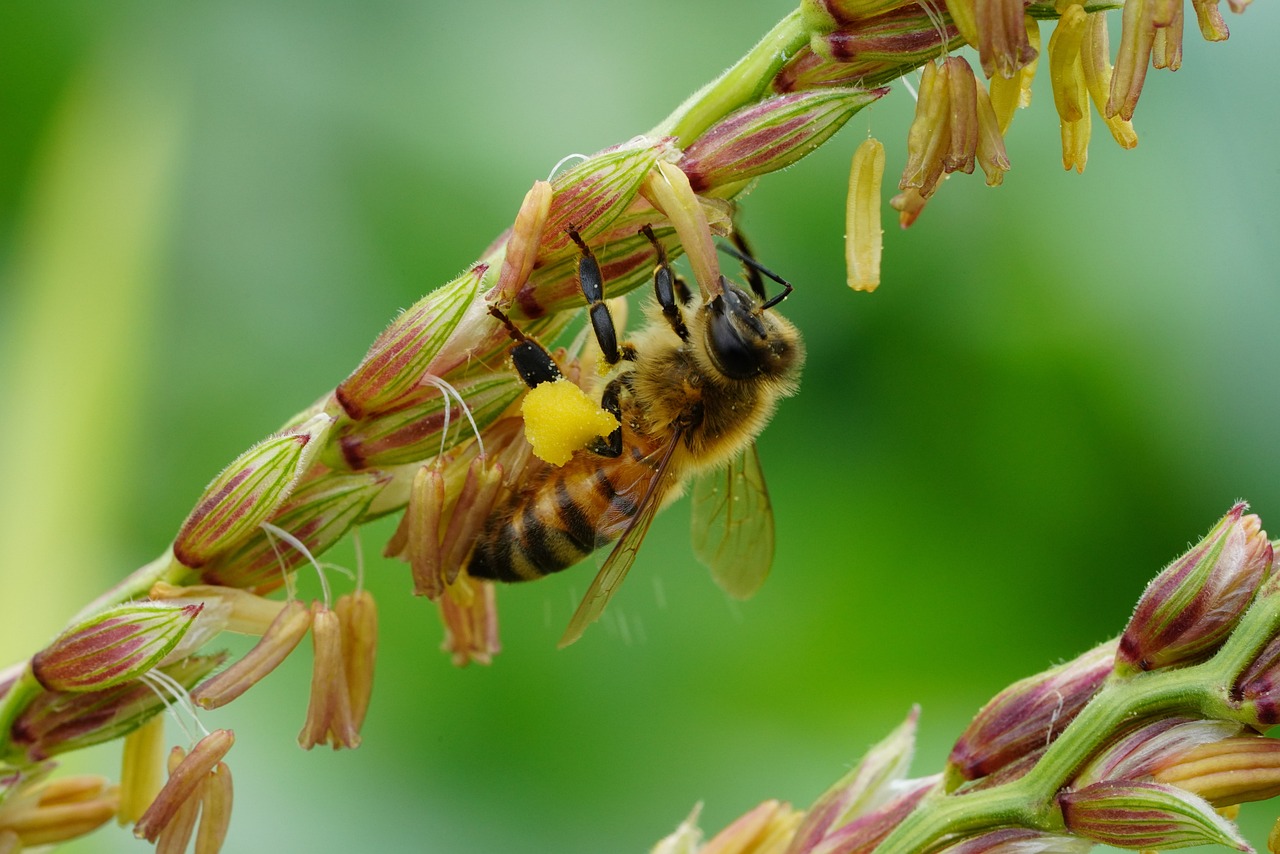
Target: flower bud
x=770 y=135
x=318 y=513
x=863 y=835
x=1145 y=815
x=1029 y=714
x=60 y=721
x=1194 y=603
x=390 y=375
x=115 y=646
x=1230 y=771
x=1257 y=690
x=1134 y=755
x=930 y=132
x=903 y=36
x=993 y=159
x=1020 y=840
x=863 y=789
x=592 y=193
x=962 y=98
x=820 y=15
x=248 y=492
x=413 y=434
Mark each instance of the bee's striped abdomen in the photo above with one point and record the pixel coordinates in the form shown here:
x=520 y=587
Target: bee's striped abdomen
x=550 y=528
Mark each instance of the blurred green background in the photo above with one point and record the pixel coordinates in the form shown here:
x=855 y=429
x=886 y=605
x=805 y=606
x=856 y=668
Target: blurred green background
x=208 y=210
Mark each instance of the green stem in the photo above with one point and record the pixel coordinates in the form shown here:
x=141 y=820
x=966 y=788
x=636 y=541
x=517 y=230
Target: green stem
x=1029 y=801
x=742 y=84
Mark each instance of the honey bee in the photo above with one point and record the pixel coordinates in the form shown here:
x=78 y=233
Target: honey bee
x=691 y=394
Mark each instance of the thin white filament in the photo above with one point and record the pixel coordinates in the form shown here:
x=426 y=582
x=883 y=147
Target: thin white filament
x=564 y=160
x=302 y=549
x=446 y=390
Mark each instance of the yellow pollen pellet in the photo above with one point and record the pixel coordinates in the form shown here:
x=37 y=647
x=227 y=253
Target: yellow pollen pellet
x=559 y=419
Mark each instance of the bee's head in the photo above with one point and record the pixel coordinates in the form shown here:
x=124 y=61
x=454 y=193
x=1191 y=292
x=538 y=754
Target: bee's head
x=744 y=340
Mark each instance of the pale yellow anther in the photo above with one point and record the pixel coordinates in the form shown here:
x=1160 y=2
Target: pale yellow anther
x=864 y=236
x=668 y=189
x=559 y=419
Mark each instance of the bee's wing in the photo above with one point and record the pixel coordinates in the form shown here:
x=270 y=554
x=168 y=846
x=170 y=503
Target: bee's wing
x=733 y=524
x=623 y=555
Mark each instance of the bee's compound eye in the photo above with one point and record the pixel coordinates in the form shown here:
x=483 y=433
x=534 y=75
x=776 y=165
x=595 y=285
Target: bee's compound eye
x=733 y=355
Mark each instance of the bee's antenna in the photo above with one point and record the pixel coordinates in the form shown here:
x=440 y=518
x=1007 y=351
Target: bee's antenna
x=754 y=268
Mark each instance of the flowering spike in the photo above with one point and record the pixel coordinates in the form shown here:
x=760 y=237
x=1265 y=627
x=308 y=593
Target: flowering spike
x=1191 y=606
x=389 y=377
x=115 y=646
x=329 y=719
x=770 y=135
x=187 y=776
x=1230 y=771
x=248 y=492
x=1095 y=59
x=358 y=617
x=281 y=638
x=1029 y=714
x=864 y=236
x=1145 y=815
x=863 y=789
